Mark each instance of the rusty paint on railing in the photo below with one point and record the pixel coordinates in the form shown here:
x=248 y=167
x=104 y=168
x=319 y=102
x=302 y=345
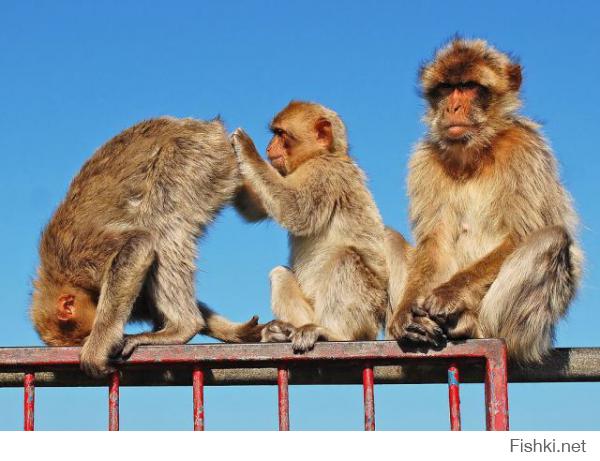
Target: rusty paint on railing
x=113 y=402
x=283 y=398
x=29 y=401
x=198 y=398
x=369 y=397
x=454 y=397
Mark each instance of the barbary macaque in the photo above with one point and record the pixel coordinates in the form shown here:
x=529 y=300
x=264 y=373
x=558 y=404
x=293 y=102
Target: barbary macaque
x=122 y=244
x=494 y=229
x=336 y=286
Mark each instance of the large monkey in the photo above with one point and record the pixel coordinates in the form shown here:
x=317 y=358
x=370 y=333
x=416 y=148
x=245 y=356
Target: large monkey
x=121 y=246
x=495 y=252
x=336 y=286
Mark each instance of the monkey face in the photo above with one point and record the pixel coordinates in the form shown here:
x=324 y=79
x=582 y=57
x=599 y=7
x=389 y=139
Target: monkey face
x=279 y=149
x=459 y=109
x=298 y=135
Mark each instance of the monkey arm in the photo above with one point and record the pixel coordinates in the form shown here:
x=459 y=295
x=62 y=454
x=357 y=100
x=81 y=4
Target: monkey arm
x=409 y=321
x=422 y=269
x=465 y=289
x=300 y=203
x=248 y=204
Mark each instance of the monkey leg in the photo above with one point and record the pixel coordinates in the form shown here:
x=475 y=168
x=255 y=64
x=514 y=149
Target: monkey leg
x=531 y=293
x=121 y=285
x=398 y=256
x=171 y=287
x=289 y=305
x=351 y=302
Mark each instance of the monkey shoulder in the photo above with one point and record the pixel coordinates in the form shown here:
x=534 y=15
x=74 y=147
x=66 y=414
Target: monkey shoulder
x=531 y=195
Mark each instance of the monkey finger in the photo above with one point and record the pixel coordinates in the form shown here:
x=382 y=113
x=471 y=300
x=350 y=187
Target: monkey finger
x=416 y=328
x=418 y=311
x=413 y=337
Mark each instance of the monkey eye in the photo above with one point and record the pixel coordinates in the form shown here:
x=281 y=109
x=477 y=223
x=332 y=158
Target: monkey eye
x=468 y=85
x=441 y=90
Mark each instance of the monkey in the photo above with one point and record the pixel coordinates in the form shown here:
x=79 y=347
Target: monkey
x=495 y=252
x=335 y=287
x=121 y=245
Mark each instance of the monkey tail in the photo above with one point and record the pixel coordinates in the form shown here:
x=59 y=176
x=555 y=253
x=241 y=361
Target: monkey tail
x=220 y=328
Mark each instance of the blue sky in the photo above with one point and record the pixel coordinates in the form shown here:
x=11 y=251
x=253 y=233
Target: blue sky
x=74 y=74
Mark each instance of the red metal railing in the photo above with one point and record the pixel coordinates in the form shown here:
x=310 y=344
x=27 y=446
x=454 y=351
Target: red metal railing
x=195 y=359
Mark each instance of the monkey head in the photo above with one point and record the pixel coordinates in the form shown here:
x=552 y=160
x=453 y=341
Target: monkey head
x=304 y=130
x=471 y=90
x=63 y=317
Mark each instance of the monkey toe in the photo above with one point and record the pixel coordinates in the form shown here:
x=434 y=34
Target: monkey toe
x=304 y=339
x=277 y=331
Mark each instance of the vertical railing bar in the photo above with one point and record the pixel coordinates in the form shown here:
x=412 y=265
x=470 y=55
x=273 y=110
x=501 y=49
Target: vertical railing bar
x=369 y=397
x=29 y=401
x=454 y=397
x=113 y=402
x=496 y=390
x=283 y=398
x=198 y=397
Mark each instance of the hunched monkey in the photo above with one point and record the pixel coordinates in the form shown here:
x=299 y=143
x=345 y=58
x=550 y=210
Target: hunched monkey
x=122 y=244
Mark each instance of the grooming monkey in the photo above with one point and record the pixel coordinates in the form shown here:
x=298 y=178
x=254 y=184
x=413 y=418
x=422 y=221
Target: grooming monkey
x=336 y=286
x=121 y=246
x=495 y=253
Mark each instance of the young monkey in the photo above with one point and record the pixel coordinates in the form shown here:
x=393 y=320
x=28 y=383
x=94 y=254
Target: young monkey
x=495 y=251
x=336 y=288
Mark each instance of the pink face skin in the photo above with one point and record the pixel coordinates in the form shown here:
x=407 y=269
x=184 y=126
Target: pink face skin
x=457 y=122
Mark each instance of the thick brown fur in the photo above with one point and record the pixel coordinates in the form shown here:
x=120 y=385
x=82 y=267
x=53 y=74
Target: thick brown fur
x=495 y=251
x=122 y=244
x=336 y=285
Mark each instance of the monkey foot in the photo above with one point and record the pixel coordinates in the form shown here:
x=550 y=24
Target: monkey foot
x=277 y=331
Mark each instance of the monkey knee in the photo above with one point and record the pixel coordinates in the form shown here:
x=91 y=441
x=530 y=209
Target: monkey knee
x=528 y=346
x=553 y=239
x=280 y=273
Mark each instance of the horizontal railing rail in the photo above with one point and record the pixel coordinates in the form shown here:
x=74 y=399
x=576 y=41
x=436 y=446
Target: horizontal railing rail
x=59 y=367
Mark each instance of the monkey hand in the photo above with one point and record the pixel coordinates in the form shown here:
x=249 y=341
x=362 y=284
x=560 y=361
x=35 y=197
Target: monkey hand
x=244 y=147
x=277 y=331
x=95 y=361
x=414 y=326
x=445 y=304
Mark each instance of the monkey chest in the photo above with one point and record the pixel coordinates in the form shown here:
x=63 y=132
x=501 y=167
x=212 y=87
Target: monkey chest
x=470 y=225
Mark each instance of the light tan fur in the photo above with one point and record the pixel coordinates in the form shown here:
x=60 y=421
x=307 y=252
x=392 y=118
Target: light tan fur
x=494 y=229
x=336 y=286
x=122 y=244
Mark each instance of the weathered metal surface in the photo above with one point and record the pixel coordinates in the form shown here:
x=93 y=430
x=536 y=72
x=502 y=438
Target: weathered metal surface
x=28 y=401
x=265 y=354
x=369 y=397
x=198 y=398
x=283 y=399
x=454 y=397
x=496 y=390
x=113 y=402
x=562 y=365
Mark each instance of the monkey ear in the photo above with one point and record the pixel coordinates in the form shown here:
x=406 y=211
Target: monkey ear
x=324 y=132
x=65 y=309
x=515 y=76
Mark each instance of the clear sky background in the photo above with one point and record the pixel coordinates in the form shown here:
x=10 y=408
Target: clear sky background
x=74 y=74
